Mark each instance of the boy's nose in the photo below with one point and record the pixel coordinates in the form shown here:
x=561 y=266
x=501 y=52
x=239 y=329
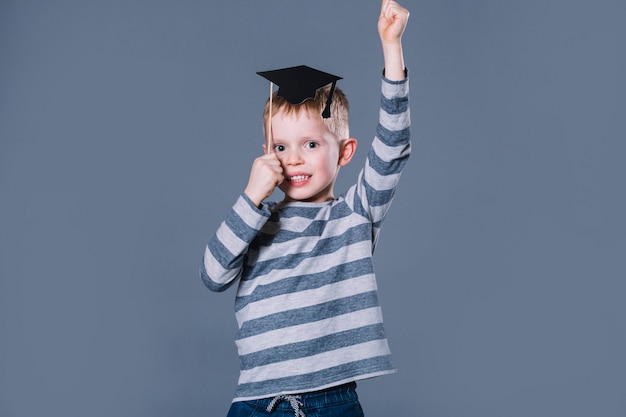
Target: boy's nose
x=293 y=158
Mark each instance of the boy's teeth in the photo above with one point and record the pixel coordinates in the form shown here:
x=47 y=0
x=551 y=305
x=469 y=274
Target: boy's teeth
x=298 y=178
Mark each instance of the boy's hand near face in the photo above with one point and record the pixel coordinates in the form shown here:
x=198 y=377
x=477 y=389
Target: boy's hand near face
x=391 y=24
x=265 y=175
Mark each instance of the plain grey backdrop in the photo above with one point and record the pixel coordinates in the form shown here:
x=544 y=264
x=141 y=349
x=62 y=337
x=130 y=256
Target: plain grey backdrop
x=127 y=130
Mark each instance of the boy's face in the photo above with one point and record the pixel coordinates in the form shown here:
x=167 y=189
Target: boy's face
x=310 y=156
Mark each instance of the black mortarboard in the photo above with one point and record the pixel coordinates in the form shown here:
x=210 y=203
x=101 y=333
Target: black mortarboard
x=297 y=84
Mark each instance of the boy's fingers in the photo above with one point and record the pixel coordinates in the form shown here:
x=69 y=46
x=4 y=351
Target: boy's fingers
x=387 y=8
x=273 y=163
x=393 y=19
x=391 y=9
x=384 y=7
x=272 y=160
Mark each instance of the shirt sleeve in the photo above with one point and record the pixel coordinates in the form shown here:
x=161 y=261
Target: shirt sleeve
x=390 y=150
x=224 y=255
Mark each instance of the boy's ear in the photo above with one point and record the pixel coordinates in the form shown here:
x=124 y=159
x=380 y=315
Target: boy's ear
x=346 y=151
x=264 y=149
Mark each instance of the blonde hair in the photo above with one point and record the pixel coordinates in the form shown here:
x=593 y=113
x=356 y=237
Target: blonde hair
x=337 y=123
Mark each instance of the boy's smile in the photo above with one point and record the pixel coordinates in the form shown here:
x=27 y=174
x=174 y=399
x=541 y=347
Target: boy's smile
x=298 y=180
x=309 y=155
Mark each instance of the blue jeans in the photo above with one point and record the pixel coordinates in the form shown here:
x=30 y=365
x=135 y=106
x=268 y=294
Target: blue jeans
x=341 y=401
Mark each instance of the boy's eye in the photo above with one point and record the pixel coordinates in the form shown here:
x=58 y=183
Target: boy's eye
x=279 y=148
x=311 y=145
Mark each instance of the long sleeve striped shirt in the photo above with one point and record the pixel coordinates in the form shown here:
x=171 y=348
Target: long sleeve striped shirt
x=306 y=305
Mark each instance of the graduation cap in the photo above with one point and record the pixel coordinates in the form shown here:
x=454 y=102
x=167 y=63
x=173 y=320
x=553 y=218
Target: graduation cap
x=296 y=85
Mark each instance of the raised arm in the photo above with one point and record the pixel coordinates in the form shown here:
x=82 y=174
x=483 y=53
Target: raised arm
x=373 y=193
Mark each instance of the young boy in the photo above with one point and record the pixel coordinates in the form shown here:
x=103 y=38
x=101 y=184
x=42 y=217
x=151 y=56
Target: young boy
x=309 y=319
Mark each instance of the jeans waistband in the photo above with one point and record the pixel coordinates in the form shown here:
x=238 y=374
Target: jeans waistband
x=315 y=399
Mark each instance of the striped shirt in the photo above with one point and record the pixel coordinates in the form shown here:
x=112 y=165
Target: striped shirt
x=307 y=307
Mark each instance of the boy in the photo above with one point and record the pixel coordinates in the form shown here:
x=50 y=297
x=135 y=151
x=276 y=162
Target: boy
x=309 y=320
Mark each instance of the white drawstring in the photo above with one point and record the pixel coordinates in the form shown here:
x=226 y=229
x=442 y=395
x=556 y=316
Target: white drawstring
x=294 y=401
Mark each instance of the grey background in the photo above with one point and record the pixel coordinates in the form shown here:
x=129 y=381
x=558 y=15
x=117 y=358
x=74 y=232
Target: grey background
x=127 y=129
